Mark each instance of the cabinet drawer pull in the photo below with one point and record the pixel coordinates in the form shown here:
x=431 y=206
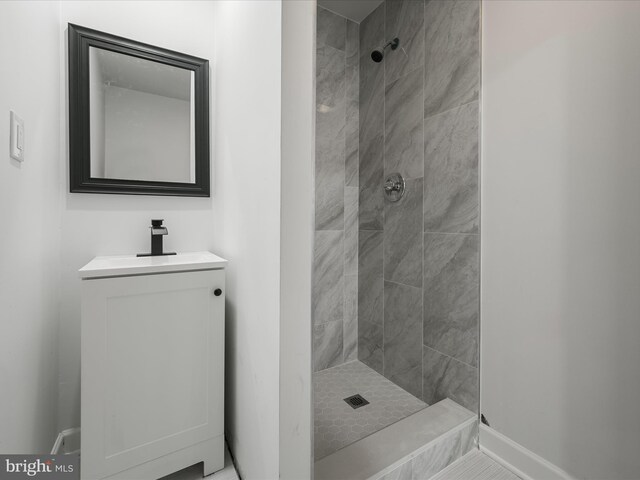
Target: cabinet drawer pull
x=217 y=292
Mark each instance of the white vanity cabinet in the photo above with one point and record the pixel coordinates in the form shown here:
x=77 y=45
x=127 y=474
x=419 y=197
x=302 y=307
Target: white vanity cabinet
x=152 y=365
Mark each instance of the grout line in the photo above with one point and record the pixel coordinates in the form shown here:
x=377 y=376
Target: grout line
x=450 y=109
x=384 y=144
x=449 y=356
x=325 y=322
x=451 y=233
x=418 y=67
x=407 y=178
x=324 y=45
x=344 y=190
x=338 y=14
x=357 y=187
x=479 y=198
x=335 y=366
x=402 y=284
x=424 y=187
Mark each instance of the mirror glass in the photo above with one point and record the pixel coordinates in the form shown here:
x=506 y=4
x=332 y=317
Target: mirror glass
x=142 y=118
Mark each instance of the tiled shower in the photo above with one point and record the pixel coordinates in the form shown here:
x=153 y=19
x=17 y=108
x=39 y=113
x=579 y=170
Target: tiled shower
x=396 y=285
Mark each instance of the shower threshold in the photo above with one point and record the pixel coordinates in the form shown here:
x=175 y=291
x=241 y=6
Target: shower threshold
x=418 y=446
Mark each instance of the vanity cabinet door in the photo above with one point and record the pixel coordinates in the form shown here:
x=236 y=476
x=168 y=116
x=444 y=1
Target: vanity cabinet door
x=152 y=367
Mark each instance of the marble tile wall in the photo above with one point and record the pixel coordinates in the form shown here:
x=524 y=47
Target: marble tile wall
x=335 y=270
x=418 y=259
x=451 y=225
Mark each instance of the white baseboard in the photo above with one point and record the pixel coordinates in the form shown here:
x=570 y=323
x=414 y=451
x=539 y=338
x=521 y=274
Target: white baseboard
x=524 y=463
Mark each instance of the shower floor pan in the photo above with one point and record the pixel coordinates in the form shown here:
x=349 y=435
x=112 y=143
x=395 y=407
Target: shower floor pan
x=338 y=423
x=393 y=435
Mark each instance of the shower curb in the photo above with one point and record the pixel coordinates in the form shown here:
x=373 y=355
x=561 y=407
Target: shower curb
x=418 y=446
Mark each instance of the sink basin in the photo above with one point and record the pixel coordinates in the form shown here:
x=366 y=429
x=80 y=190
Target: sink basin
x=115 y=266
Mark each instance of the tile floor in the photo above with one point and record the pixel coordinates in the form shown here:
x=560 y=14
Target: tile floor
x=337 y=424
x=475 y=465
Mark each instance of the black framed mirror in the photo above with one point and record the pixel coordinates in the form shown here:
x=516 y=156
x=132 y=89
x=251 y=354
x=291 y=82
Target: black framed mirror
x=138 y=117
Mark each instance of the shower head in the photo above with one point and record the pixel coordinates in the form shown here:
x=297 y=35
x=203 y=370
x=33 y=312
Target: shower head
x=378 y=54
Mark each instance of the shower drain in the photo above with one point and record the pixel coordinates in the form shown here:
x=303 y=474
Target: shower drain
x=356 y=401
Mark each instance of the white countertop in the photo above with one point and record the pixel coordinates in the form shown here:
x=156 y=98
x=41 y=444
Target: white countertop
x=115 y=266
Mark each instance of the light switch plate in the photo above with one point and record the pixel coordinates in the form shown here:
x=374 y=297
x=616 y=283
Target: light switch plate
x=16 y=137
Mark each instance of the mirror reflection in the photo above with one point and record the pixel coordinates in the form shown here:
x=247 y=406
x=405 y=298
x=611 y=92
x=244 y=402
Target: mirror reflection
x=142 y=119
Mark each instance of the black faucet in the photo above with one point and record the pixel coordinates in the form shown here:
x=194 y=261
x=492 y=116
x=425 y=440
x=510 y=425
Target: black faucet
x=157 y=232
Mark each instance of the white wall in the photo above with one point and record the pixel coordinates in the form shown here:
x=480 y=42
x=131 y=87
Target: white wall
x=561 y=231
x=247 y=117
x=296 y=247
x=30 y=228
x=117 y=224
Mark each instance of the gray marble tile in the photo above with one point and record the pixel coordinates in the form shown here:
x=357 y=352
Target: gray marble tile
x=353 y=43
x=403 y=236
x=370 y=253
x=405 y=20
x=476 y=465
x=370 y=153
x=371 y=101
x=451 y=200
x=328 y=277
x=452 y=54
x=372 y=31
x=350 y=327
x=451 y=294
x=403 y=472
x=371 y=207
x=352 y=128
x=371 y=76
x=402 y=334
x=370 y=300
x=371 y=130
x=404 y=140
x=330 y=77
x=370 y=339
x=329 y=205
x=446 y=377
x=331 y=29
x=330 y=139
x=327 y=345
x=352 y=131
x=351 y=230
x=443 y=453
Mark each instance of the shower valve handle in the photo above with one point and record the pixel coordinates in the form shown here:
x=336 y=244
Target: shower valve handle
x=391 y=186
x=394 y=187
